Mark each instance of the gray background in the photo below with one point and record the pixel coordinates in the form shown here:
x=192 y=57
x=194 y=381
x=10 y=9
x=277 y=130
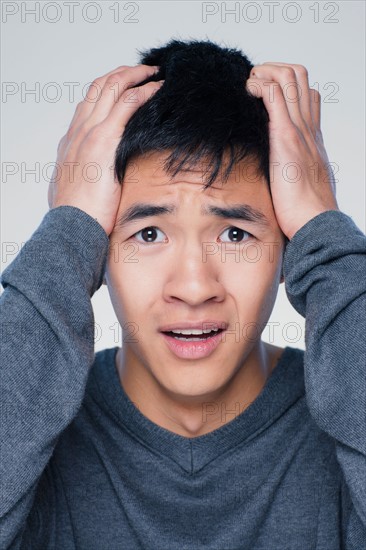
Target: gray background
x=60 y=44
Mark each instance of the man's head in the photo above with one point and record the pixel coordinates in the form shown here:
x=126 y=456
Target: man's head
x=187 y=247
x=201 y=111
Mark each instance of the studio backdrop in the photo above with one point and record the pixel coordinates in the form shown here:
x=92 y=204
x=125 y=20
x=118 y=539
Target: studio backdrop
x=52 y=51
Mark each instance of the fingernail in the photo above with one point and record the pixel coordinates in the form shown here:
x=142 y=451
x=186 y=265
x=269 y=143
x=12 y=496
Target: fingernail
x=157 y=68
x=157 y=89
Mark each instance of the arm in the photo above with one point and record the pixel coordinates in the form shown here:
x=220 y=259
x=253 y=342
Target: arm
x=47 y=347
x=47 y=324
x=324 y=268
x=325 y=280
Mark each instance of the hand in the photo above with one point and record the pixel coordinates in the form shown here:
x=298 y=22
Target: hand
x=84 y=171
x=302 y=182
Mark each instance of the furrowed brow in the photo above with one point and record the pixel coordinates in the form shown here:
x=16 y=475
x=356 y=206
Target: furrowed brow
x=140 y=211
x=243 y=212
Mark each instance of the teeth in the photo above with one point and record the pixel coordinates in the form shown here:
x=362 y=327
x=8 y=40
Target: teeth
x=194 y=331
x=190 y=339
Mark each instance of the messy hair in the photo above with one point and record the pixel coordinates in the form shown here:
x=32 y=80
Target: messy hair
x=201 y=112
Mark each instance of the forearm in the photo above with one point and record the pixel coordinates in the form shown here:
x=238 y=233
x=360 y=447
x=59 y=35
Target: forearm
x=325 y=267
x=47 y=347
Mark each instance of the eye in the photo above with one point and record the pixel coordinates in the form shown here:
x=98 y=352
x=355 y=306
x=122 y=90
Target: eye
x=236 y=234
x=148 y=235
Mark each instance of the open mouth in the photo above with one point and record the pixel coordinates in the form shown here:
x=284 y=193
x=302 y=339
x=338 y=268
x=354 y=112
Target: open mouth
x=193 y=335
x=193 y=343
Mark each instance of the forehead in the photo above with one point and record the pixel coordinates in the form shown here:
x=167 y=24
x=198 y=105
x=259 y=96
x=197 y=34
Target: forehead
x=147 y=185
x=146 y=174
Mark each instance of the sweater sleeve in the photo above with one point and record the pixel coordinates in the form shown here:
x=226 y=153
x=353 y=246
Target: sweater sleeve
x=47 y=348
x=325 y=281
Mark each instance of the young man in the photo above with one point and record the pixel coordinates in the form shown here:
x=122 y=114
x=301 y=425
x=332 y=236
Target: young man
x=195 y=433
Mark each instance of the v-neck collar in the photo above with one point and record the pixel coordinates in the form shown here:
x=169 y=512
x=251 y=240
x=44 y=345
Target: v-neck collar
x=283 y=388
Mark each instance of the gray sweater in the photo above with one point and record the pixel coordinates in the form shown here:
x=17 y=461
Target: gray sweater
x=82 y=468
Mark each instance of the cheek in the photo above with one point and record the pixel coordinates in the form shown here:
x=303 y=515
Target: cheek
x=250 y=281
x=132 y=285
x=253 y=284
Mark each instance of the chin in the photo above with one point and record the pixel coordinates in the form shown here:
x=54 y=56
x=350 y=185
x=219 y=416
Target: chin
x=192 y=388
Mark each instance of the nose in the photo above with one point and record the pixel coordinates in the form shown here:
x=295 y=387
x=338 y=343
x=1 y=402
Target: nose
x=193 y=280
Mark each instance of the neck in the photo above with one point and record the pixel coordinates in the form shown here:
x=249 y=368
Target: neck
x=192 y=416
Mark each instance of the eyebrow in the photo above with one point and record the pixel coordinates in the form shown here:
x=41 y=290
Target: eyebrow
x=243 y=212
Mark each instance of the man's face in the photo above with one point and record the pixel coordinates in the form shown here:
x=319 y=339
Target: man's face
x=169 y=270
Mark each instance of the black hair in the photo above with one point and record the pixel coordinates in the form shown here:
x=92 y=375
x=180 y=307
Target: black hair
x=201 y=111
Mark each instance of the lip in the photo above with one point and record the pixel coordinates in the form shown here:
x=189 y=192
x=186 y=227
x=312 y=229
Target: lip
x=190 y=349
x=203 y=325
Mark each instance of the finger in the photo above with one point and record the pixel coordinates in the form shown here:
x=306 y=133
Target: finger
x=315 y=104
x=114 y=125
x=286 y=77
x=271 y=94
x=115 y=85
x=304 y=91
x=95 y=93
x=96 y=86
x=85 y=106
